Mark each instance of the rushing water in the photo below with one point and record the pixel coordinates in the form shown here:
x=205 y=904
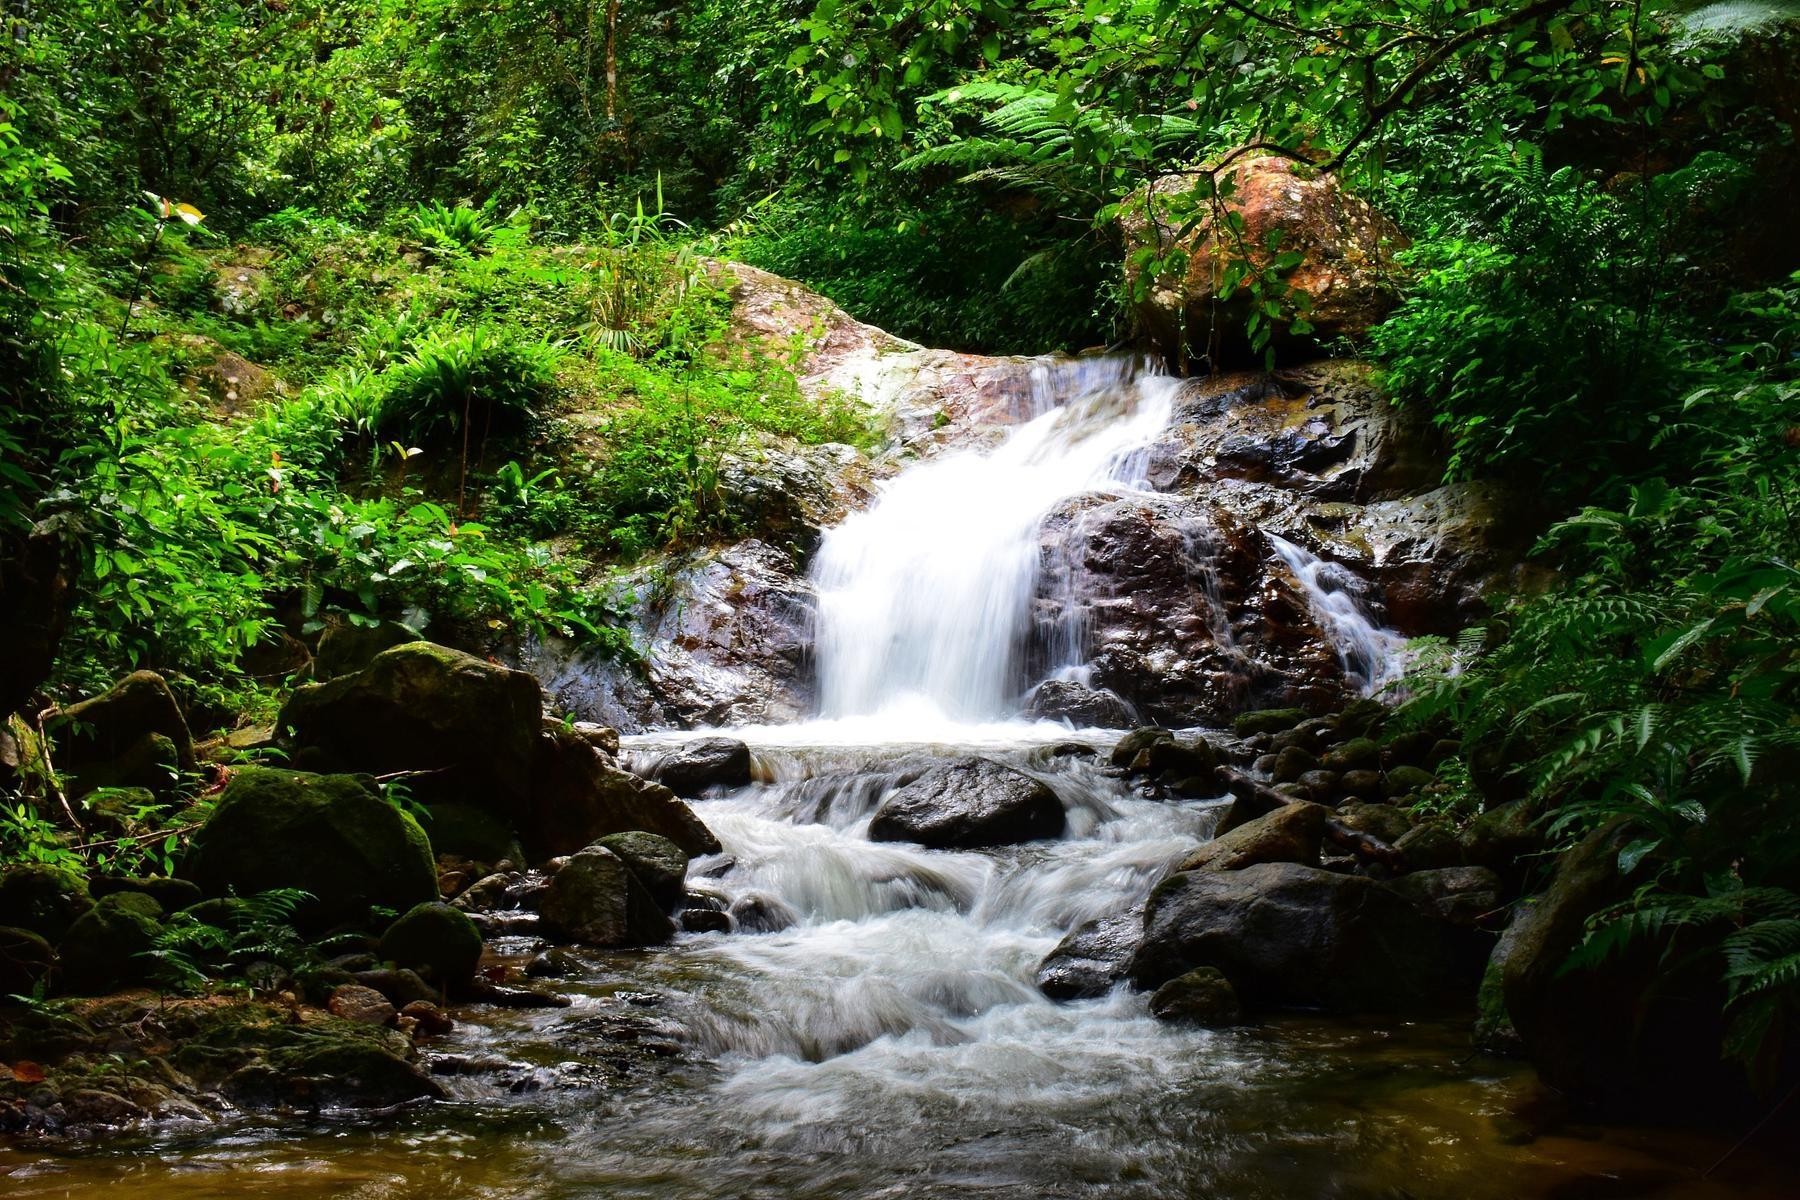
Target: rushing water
x=1372 y=656
x=888 y=1039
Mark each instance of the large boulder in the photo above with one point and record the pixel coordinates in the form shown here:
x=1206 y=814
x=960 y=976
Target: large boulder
x=659 y=864
x=692 y=767
x=579 y=794
x=1293 y=936
x=1093 y=958
x=44 y=899
x=966 y=804
x=597 y=901
x=330 y=835
x=132 y=734
x=1346 y=269
x=437 y=941
x=1082 y=706
x=1290 y=834
x=468 y=727
x=345 y=647
x=106 y=948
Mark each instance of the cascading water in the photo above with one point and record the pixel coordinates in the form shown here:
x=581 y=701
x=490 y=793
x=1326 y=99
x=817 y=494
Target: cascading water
x=924 y=598
x=1373 y=657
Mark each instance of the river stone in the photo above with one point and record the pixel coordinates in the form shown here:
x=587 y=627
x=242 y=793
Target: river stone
x=1320 y=786
x=1092 y=958
x=1203 y=996
x=1383 y=821
x=1460 y=895
x=363 y=1005
x=332 y=836
x=436 y=940
x=469 y=725
x=579 y=795
x=1361 y=784
x=345 y=648
x=967 y=804
x=1131 y=752
x=1291 y=833
x=1357 y=754
x=1291 y=762
x=1292 y=936
x=1267 y=720
x=172 y=894
x=1429 y=846
x=760 y=912
x=659 y=864
x=597 y=901
x=1082 y=706
x=1405 y=780
x=691 y=768
x=704 y=920
x=106 y=947
x=44 y=899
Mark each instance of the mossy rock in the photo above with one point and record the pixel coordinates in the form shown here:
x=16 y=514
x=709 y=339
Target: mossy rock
x=1356 y=754
x=116 y=809
x=107 y=726
x=26 y=960
x=1405 y=780
x=1202 y=996
x=151 y=764
x=1267 y=720
x=659 y=864
x=107 y=947
x=172 y=894
x=344 y=648
x=438 y=941
x=329 y=835
x=44 y=899
x=472 y=831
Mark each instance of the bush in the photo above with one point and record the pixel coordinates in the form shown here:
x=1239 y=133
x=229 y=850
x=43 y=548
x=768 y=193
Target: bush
x=477 y=379
x=447 y=231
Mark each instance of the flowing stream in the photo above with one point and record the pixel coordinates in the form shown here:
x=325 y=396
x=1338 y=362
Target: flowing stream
x=883 y=1036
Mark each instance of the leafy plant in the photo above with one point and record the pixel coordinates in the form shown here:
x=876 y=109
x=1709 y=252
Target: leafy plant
x=446 y=230
x=190 y=953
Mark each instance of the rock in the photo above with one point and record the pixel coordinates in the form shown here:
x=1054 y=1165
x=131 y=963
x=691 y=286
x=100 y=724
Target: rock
x=330 y=1063
x=579 y=795
x=597 y=901
x=1347 y=271
x=105 y=948
x=1093 y=958
x=26 y=960
x=486 y=894
x=1361 y=784
x=363 y=1005
x=118 y=810
x=966 y=804
x=1267 y=720
x=345 y=648
x=470 y=725
x=1405 y=780
x=1319 y=786
x=436 y=940
x=431 y=1019
x=1082 y=706
x=116 y=724
x=1465 y=896
x=1356 y=754
x=1429 y=846
x=90 y=1107
x=759 y=913
x=1135 y=746
x=1292 y=762
x=471 y=830
x=38 y=569
x=172 y=895
x=600 y=737
x=1362 y=718
x=554 y=963
x=1382 y=821
x=401 y=986
x=659 y=864
x=693 y=767
x=703 y=920
x=1503 y=835
x=1292 y=936
x=329 y=835
x=1289 y=834
x=1203 y=996
x=43 y=899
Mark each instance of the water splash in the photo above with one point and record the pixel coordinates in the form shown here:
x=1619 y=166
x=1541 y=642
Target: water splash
x=925 y=597
x=1373 y=657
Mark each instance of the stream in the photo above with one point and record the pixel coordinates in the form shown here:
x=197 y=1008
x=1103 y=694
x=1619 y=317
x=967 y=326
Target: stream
x=884 y=1036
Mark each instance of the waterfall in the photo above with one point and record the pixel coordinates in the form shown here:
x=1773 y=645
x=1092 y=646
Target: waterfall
x=924 y=597
x=1372 y=656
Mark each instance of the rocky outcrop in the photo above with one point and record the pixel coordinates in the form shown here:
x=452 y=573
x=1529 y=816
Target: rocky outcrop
x=332 y=836
x=693 y=767
x=1346 y=248
x=967 y=804
x=578 y=794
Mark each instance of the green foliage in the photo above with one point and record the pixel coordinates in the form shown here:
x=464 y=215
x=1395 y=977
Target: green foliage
x=190 y=953
x=445 y=230
x=469 y=378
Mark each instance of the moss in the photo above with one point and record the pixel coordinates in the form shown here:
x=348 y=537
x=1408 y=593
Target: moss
x=468 y=830
x=46 y=900
x=1267 y=720
x=106 y=948
x=438 y=941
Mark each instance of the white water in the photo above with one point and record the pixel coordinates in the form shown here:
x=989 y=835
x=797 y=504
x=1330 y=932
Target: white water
x=924 y=598
x=1373 y=657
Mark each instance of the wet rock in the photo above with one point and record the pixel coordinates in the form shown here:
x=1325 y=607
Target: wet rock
x=94 y=1107
x=402 y=986
x=43 y=899
x=517 y=997
x=345 y=1065
x=432 y=1020
x=597 y=901
x=26 y=960
x=1131 y=752
x=470 y=726
x=1292 y=936
x=330 y=835
x=967 y=804
x=106 y=947
x=580 y=795
x=1083 y=706
x=1347 y=271
x=363 y=1005
x=600 y=737
x=119 y=726
x=1361 y=784
x=1383 y=821
x=486 y=894
x=760 y=913
x=1403 y=781
x=1319 y=786
x=1356 y=754
x=1267 y=720
x=693 y=767
x=1093 y=958
x=703 y=920
x=1466 y=896
x=438 y=941
x=554 y=964
x=1290 y=834
x=172 y=895
x=1429 y=846
x=1202 y=996
x=1292 y=762
x=659 y=864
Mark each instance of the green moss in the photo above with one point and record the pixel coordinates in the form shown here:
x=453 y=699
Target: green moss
x=438 y=941
x=46 y=900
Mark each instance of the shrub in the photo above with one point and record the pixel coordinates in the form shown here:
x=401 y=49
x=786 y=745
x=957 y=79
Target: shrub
x=448 y=231
x=478 y=380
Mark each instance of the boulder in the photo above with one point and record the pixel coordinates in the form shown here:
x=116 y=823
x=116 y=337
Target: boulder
x=1290 y=834
x=1131 y=752
x=26 y=960
x=345 y=647
x=966 y=804
x=438 y=941
x=693 y=767
x=659 y=864
x=1429 y=846
x=1404 y=780
x=1266 y=720
x=1355 y=754
x=1203 y=996
x=1465 y=896
x=1082 y=706
x=43 y=899
x=361 y=1005
x=597 y=901
x=106 y=947
x=332 y=836
x=470 y=725
x=1292 y=936
x=1503 y=835
x=472 y=830
x=172 y=894
x=1292 y=762
x=1382 y=821
x=1093 y=958
x=579 y=795
x=120 y=724
x=1346 y=273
